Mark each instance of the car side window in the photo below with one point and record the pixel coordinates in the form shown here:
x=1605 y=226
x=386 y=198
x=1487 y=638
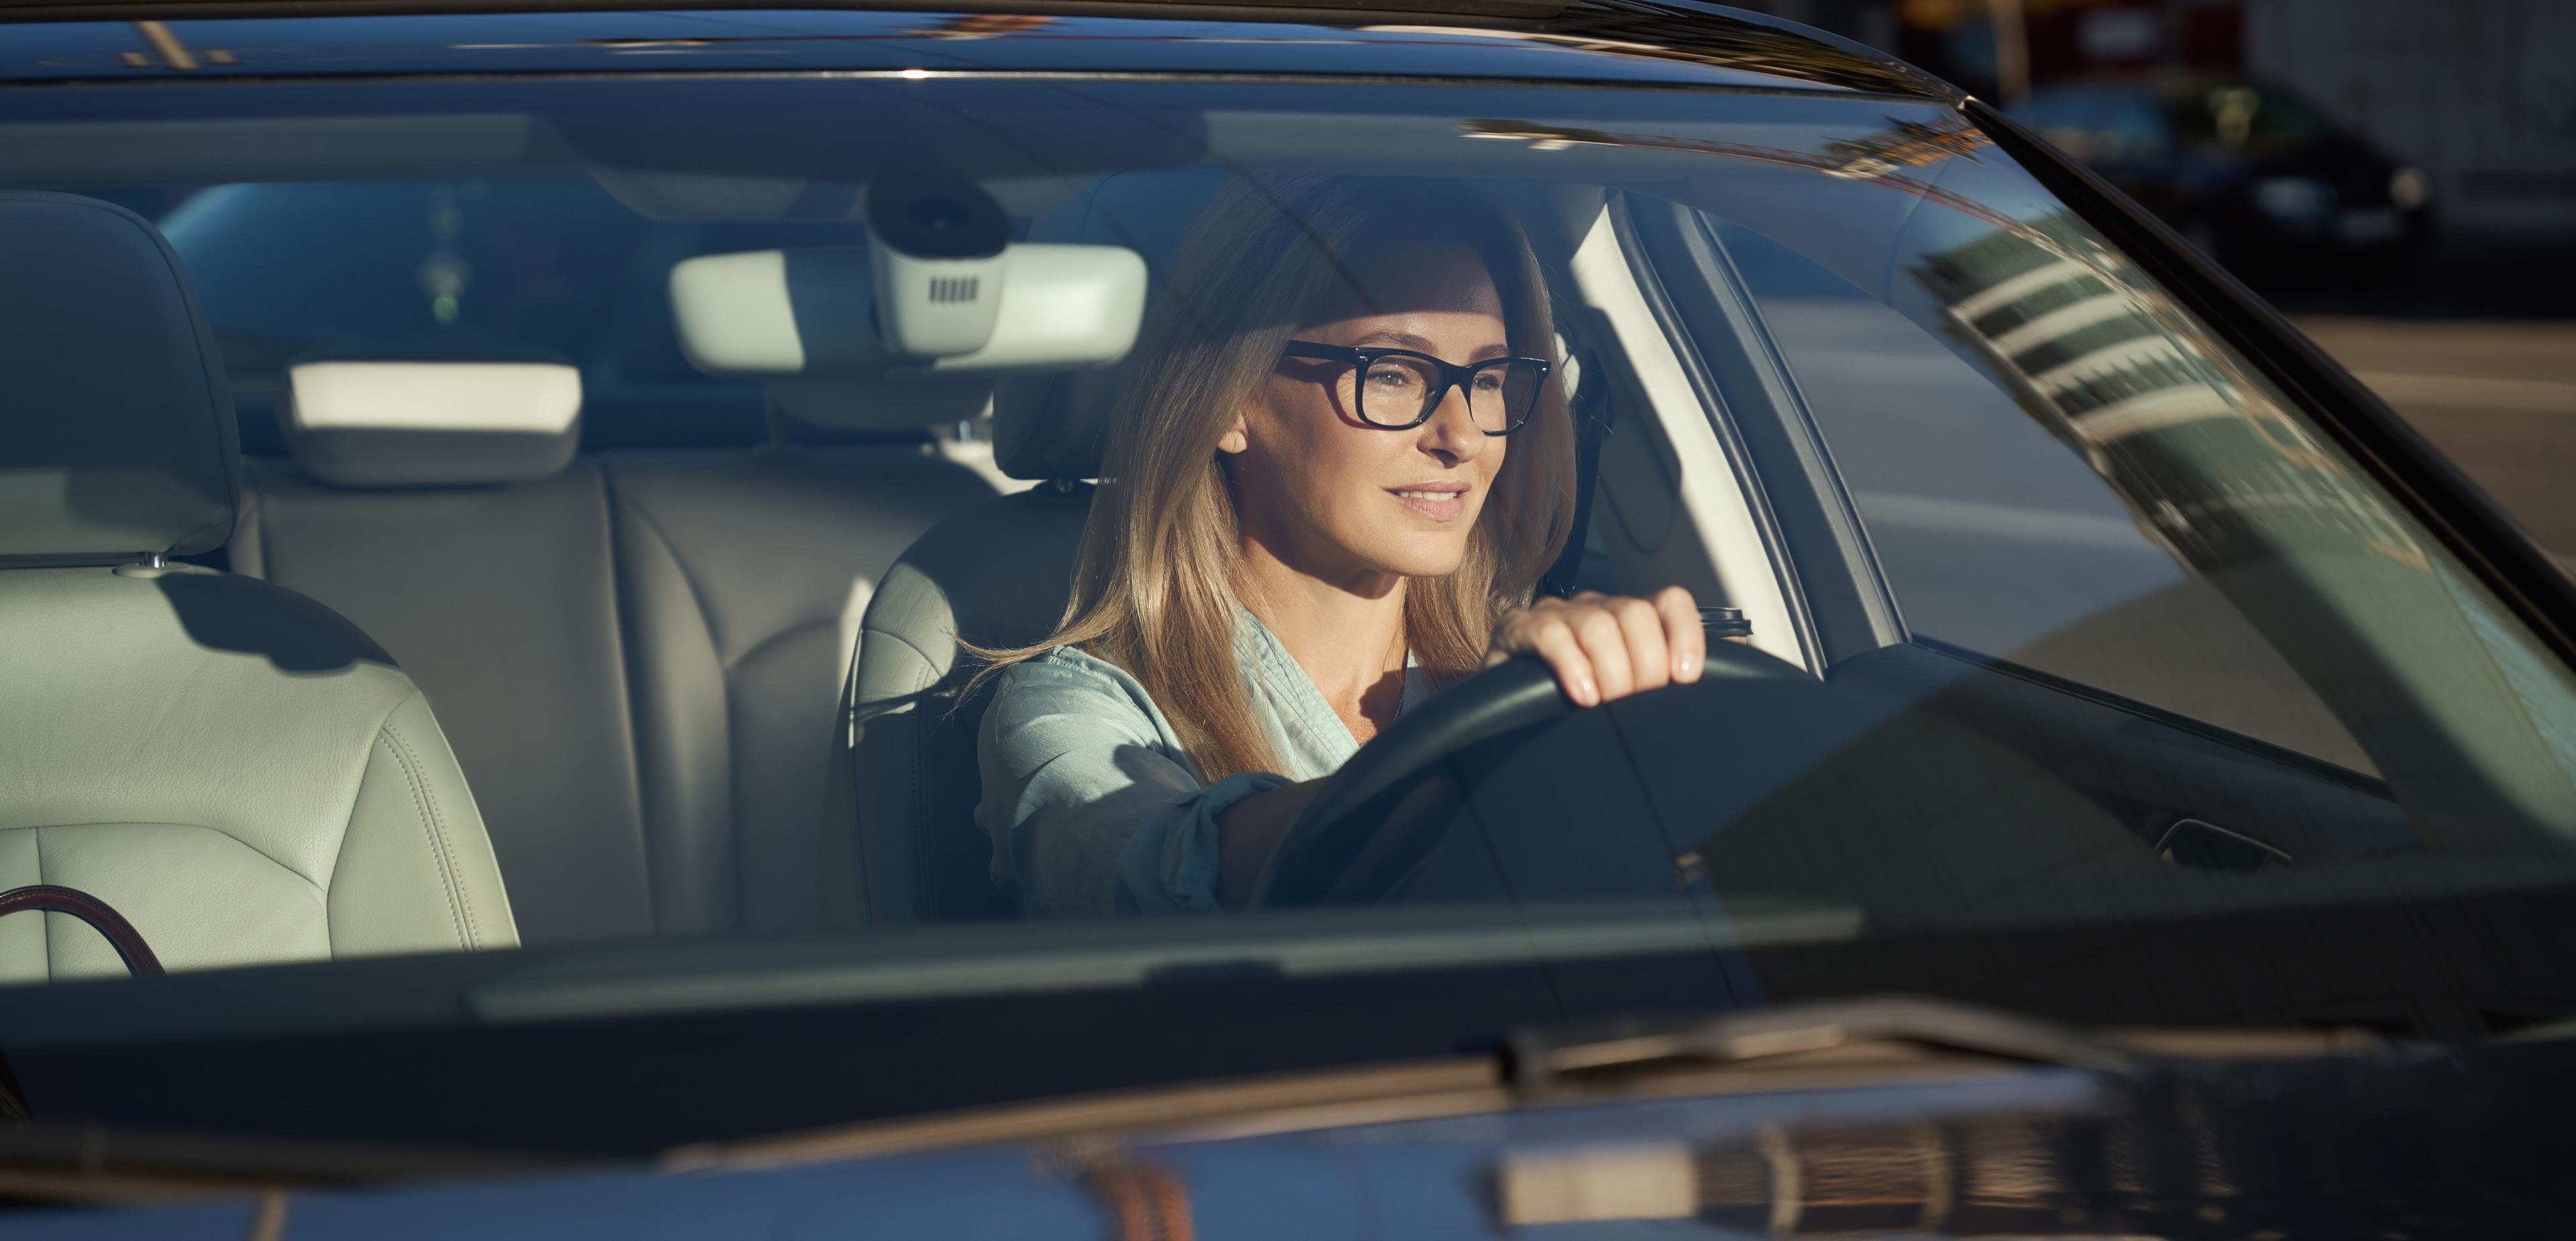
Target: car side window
x=1994 y=535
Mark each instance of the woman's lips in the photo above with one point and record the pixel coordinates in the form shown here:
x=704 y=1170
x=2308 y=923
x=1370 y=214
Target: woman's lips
x=1437 y=501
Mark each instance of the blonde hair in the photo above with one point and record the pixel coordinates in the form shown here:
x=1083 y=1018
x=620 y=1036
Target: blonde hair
x=1158 y=585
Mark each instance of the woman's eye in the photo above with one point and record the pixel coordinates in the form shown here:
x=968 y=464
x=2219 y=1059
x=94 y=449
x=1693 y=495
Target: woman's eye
x=1391 y=377
x=1488 y=381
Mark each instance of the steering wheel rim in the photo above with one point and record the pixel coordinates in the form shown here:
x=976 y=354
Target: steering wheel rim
x=101 y=916
x=1328 y=837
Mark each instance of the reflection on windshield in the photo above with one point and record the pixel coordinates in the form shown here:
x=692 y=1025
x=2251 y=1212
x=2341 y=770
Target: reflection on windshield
x=2244 y=493
x=2107 y=360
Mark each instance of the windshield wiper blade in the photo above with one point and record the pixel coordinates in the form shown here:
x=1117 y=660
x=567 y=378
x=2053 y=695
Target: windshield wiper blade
x=79 y=1161
x=1884 y=1034
x=2186 y=1132
x=1547 y=1060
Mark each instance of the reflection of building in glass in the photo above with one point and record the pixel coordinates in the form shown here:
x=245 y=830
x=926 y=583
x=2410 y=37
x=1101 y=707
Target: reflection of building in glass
x=2097 y=351
x=1906 y=144
x=1878 y=158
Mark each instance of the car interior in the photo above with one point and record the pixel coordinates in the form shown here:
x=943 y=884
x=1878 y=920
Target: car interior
x=239 y=766
x=674 y=677
x=702 y=670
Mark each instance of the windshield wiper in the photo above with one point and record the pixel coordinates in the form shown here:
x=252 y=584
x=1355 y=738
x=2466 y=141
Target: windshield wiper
x=1549 y=1061
x=1859 y=1043
x=74 y=1162
x=2289 y=1132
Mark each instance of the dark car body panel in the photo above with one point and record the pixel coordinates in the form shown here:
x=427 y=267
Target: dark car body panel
x=2367 y=1139
x=597 y=1084
x=1618 y=41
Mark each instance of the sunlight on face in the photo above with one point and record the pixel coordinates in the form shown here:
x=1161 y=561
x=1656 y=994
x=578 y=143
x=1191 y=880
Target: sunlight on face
x=1345 y=501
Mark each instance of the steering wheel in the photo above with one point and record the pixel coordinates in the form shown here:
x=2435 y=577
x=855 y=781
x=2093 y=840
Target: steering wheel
x=102 y=917
x=1365 y=833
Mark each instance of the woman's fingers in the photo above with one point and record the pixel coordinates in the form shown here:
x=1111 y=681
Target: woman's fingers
x=1603 y=647
x=1550 y=637
x=1606 y=645
x=1650 y=653
x=1689 y=642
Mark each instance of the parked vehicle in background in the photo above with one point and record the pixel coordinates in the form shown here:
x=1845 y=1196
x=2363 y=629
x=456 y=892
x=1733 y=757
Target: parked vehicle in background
x=2253 y=173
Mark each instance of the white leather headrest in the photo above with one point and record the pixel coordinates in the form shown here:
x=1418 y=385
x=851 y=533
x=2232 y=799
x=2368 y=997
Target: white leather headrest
x=811 y=313
x=116 y=432
x=431 y=424
x=1051 y=426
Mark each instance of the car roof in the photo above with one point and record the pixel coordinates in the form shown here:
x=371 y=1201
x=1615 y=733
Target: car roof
x=1642 y=42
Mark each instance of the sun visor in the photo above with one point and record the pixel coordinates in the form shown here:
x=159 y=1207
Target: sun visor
x=813 y=313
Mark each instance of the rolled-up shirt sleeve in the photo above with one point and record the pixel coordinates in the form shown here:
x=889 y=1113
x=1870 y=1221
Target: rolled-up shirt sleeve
x=1169 y=865
x=1091 y=807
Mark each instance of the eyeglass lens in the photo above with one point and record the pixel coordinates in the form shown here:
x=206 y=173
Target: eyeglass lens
x=1399 y=391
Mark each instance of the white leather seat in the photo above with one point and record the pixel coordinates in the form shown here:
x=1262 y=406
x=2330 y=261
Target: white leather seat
x=743 y=575
x=235 y=768
x=639 y=653
x=440 y=507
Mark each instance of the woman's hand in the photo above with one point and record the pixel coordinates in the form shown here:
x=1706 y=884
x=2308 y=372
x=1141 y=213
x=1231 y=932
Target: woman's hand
x=1608 y=646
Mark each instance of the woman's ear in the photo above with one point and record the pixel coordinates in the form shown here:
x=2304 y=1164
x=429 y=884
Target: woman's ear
x=1235 y=439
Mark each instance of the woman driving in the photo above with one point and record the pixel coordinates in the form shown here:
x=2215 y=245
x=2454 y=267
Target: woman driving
x=1339 y=470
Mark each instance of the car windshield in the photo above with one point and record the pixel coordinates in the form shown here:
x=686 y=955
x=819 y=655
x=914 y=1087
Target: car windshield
x=659 y=430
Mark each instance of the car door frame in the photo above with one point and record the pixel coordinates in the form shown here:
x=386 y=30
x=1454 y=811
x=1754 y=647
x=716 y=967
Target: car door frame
x=1748 y=390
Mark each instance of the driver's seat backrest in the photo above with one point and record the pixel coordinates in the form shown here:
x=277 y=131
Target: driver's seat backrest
x=232 y=766
x=996 y=575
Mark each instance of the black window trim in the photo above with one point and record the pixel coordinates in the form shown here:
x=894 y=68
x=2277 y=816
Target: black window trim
x=1633 y=247
x=1828 y=565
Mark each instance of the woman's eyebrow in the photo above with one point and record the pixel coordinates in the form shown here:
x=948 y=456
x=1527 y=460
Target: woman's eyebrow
x=1407 y=340
x=1401 y=340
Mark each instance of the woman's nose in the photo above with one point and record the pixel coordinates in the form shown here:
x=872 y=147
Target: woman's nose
x=1451 y=434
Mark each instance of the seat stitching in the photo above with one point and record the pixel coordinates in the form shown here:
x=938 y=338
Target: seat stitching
x=915 y=648
x=252 y=849
x=459 y=908
x=458 y=915
x=679 y=563
x=792 y=629
x=631 y=625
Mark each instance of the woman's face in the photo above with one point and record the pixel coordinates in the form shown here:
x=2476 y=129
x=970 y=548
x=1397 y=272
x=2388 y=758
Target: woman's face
x=1339 y=499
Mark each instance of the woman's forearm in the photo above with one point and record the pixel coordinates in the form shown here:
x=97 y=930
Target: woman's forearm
x=1248 y=833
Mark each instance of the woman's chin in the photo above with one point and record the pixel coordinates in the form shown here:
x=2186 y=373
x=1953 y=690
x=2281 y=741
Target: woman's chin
x=1422 y=558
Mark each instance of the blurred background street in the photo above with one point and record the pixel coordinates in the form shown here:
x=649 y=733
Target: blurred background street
x=2479 y=352
x=2399 y=176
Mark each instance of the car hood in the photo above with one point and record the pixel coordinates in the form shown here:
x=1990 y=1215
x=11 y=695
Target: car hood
x=2178 y=1138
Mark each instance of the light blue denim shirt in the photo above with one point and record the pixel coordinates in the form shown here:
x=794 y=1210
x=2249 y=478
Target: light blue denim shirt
x=1093 y=807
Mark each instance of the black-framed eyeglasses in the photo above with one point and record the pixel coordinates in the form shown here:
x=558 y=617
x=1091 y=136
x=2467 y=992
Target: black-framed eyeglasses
x=1397 y=389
